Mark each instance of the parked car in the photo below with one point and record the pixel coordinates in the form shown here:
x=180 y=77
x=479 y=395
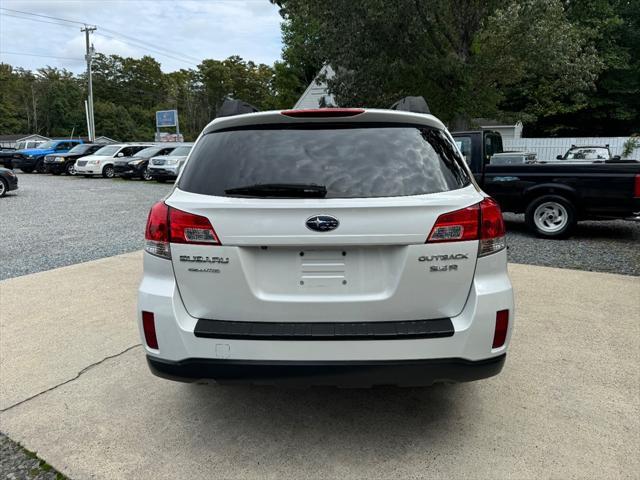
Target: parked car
x=588 y=153
x=8 y=181
x=6 y=157
x=553 y=195
x=32 y=159
x=58 y=163
x=101 y=162
x=327 y=246
x=168 y=167
x=136 y=166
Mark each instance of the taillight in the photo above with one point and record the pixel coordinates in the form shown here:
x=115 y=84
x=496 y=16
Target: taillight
x=636 y=188
x=190 y=228
x=492 y=229
x=323 y=112
x=156 y=235
x=149 y=329
x=457 y=226
x=167 y=225
x=502 y=325
x=482 y=221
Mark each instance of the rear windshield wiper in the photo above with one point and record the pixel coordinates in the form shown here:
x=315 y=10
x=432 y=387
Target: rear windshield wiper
x=287 y=190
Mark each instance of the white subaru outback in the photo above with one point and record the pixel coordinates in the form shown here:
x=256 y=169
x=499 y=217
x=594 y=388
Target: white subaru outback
x=329 y=246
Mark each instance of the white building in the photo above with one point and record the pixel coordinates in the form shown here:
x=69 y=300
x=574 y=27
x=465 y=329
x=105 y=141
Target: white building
x=10 y=141
x=508 y=130
x=317 y=93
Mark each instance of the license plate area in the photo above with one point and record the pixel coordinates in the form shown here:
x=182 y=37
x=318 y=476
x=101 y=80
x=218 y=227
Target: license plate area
x=323 y=268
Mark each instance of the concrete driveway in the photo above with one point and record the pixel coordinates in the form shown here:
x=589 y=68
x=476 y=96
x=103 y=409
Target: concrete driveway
x=74 y=387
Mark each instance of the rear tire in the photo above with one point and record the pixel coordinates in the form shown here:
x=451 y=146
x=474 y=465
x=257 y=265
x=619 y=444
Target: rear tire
x=70 y=168
x=551 y=216
x=146 y=176
x=4 y=186
x=108 y=171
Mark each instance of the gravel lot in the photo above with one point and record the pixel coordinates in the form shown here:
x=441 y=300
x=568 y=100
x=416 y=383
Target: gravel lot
x=17 y=463
x=53 y=221
x=611 y=246
x=56 y=221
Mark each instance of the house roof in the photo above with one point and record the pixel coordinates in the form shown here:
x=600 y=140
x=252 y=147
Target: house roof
x=20 y=136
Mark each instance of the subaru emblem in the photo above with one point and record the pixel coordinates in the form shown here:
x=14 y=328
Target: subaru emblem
x=322 y=223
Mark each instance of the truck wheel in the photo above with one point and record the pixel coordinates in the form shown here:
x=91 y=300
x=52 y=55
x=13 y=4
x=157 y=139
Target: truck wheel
x=108 y=171
x=40 y=167
x=3 y=187
x=70 y=169
x=550 y=216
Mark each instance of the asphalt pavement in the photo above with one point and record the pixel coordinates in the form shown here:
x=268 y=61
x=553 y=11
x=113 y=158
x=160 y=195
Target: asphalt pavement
x=80 y=395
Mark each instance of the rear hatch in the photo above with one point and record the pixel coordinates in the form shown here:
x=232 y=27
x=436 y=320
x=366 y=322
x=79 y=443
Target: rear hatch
x=324 y=222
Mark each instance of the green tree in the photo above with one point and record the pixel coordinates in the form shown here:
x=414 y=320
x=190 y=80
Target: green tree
x=468 y=58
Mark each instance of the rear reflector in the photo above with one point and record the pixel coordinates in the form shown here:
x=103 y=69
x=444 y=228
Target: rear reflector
x=167 y=225
x=149 y=327
x=502 y=325
x=323 y=112
x=482 y=221
x=636 y=188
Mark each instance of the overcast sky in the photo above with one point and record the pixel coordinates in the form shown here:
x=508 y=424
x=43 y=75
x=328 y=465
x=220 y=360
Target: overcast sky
x=185 y=31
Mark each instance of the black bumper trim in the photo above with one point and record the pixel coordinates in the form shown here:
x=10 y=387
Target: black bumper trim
x=401 y=330
x=342 y=373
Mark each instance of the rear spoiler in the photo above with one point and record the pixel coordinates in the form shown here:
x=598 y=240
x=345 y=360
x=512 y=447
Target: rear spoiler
x=411 y=104
x=230 y=108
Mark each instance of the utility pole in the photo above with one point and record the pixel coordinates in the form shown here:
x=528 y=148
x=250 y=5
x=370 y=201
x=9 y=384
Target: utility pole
x=89 y=57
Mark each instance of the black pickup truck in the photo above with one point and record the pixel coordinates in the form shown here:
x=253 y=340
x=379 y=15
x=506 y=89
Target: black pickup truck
x=553 y=195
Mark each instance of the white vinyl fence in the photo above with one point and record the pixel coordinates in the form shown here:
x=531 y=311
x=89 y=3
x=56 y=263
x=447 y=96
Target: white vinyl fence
x=549 y=148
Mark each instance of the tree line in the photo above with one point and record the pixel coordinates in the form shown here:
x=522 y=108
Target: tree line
x=128 y=91
x=563 y=67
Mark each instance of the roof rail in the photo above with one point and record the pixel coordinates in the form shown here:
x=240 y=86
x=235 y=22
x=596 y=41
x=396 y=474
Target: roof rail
x=411 y=104
x=235 y=107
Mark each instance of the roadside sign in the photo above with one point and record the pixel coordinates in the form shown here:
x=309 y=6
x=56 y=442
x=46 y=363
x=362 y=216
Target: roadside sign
x=166 y=118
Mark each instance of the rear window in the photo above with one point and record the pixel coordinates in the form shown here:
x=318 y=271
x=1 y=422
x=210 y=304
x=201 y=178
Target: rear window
x=351 y=161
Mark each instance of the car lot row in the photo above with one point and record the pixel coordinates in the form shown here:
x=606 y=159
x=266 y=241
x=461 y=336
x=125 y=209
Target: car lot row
x=146 y=161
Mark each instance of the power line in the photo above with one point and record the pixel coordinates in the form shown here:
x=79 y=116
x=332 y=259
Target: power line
x=43 y=16
x=4 y=52
x=149 y=49
x=140 y=44
x=37 y=20
x=147 y=44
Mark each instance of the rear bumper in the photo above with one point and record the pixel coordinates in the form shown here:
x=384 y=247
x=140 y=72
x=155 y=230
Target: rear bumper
x=353 y=373
x=192 y=352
